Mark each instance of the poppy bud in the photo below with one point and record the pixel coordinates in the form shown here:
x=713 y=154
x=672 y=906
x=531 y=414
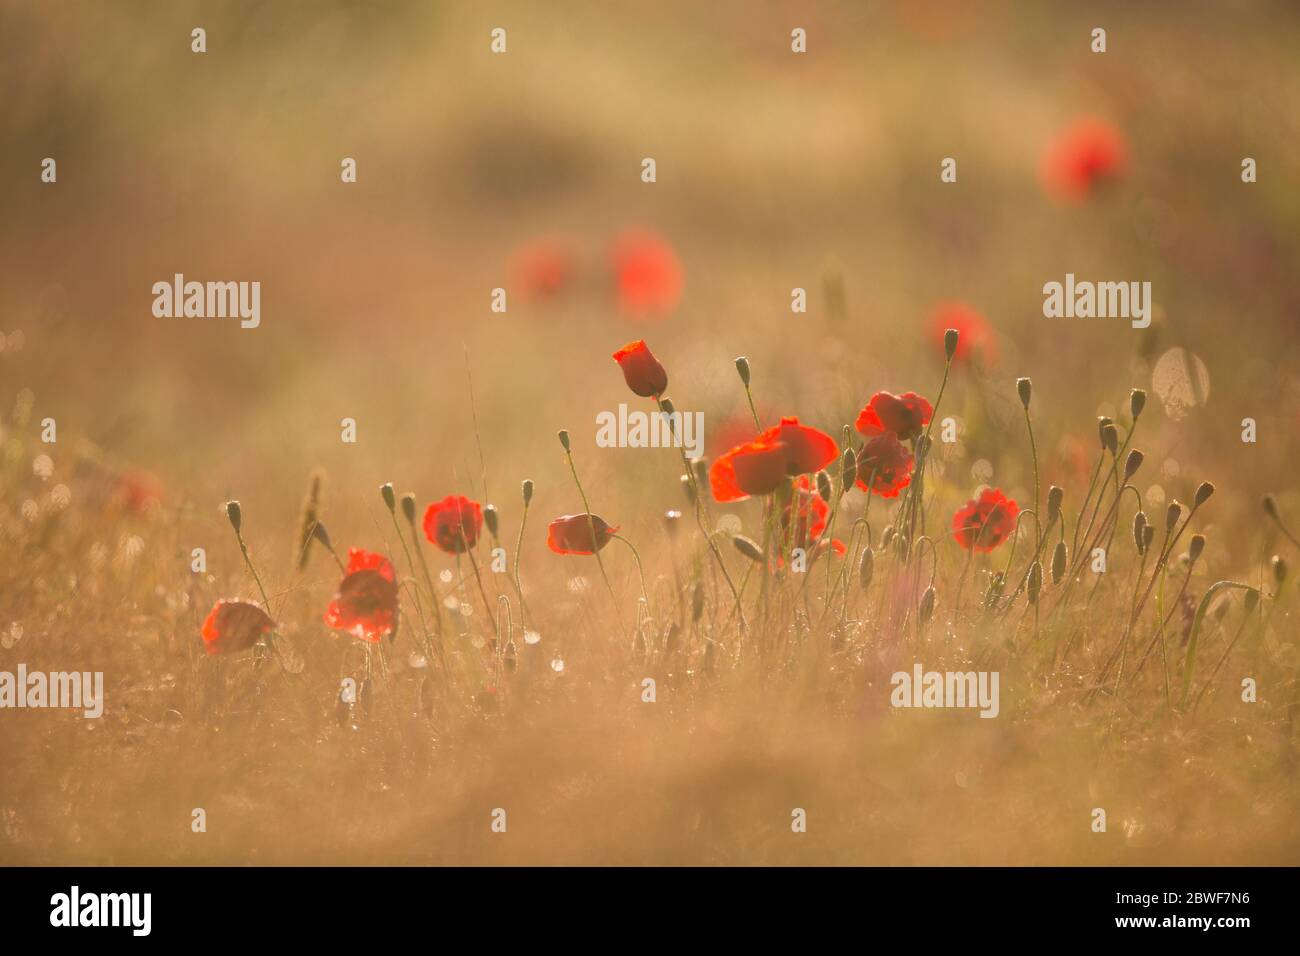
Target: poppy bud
x=234 y=514
x=1109 y=437
x=824 y=486
x=386 y=489
x=1279 y=568
x=1137 y=400
x=903 y=545
x=1054 y=497
x=748 y=547
x=527 y=488
x=950 y=339
x=564 y=438
x=742 y=366
x=1148 y=535
x=490 y=519
x=1270 y=507
x=408 y=506
x=1035 y=584
x=1139 y=525
x=1172 y=514
x=672 y=520
x=641 y=370
x=849 y=474
x=1133 y=463
x=689 y=488
x=867 y=567
x=886 y=536
x=1196 y=547
x=926 y=609
x=1024 y=388
x=1058 y=562
x=1203 y=494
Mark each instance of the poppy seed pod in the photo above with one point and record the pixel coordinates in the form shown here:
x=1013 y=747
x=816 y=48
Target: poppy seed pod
x=742 y=367
x=641 y=370
x=527 y=489
x=1055 y=495
x=1024 y=388
x=1035 y=585
x=490 y=519
x=408 y=506
x=1110 y=437
x=1279 y=568
x=926 y=609
x=1270 y=507
x=1203 y=494
x=1058 y=562
x=1137 y=400
x=1172 y=514
x=1133 y=463
x=564 y=438
x=748 y=547
x=867 y=567
x=1196 y=547
x=824 y=486
x=849 y=472
x=386 y=490
x=950 y=339
x=235 y=515
x=1148 y=535
x=1139 y=526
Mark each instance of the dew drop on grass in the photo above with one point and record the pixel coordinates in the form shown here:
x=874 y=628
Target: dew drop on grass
x=1182 y=382
x=532 y=637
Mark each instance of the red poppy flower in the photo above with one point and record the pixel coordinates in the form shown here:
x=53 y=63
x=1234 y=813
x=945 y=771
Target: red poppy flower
x=233 y=626
x=454 y=523
x=138 y=491
x=985 y=522
x=365 y=604
x=975 y=335
x=905 y=415
x=891 y=463
x=571 y=534
x=642 y=371
x=648 y=274
x=758 y=467
x=541 y=269
x=1087 y=153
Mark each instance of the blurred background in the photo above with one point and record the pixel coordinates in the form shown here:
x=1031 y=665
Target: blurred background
x=522 y=171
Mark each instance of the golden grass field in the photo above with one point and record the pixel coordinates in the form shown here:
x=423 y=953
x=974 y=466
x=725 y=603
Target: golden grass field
x=775 y=171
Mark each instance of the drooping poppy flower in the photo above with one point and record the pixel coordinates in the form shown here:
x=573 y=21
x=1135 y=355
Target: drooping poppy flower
x=233 y=626
x=759 y=466
x=542 y=269
x=1086 y=154
x=641 y=370
x=571 y=534
x=975 y=340
x=365 y=604
x=648 y=274
x=985 y=522
x=454 y=523
x=889 y=461
x=905 y=415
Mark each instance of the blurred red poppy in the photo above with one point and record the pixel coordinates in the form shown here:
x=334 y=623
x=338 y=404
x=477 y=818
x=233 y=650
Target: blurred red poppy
x=648 y=274
x=454 y=523
x=138 y=491
x=975 y=336
x=365 y=604
x=758 y=467
x=985 y=522
x=233 y=626
x=542 y=269
x=813 y=513
x=889 y=461
x=1087 y=153
x=904 y=415
x=571 y=534
x=641 y=370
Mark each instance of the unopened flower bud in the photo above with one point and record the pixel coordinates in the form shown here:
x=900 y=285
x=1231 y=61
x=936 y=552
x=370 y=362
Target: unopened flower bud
x=742 y=366
x=1055 y=495
x=749 y=548
x=950 y=339
x=1035 y=584
x=824 y=486
x=1203 y=494
x=1133 y=463
x=408 y=507
x=527 y=489
x=1172 y=514
x=564 y=439
x=235 y=515
x=926 y=609
x=1195 y=548
x=490 y=519
x=867 y=567
x=1110 y=437
x=1139 y=527
x=1058 y=562
x=1137 y=400
x=849 y=469
x=1024 y=388
x=386 y=490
